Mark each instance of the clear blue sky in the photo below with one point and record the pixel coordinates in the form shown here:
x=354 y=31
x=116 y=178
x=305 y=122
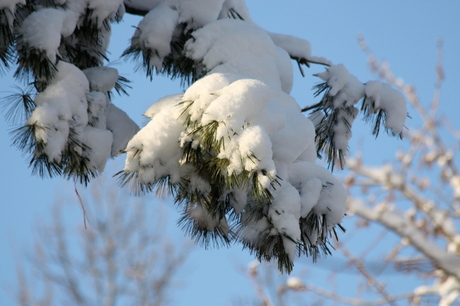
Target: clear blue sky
x=402 y=32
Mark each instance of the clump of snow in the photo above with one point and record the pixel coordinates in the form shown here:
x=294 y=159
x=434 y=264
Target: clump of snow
x=296 y=47
x=53 y=23
x=335 y=114
x=295 y=283
x=60 y=107
x=103 y=9
x=100 y=143
x=284 y=214
x=238 y=6
x=237 y=46
x=344 y=87
x=155 y=32
x=381 y=96
x=198 y=13
x=101 y=79
x=342 y=131
x=122 y=127
x=154 y=152
x=68 y=113
x=97 y=103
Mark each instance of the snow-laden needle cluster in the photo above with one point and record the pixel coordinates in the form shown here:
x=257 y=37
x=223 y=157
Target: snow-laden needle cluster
x=72 y=127
x=234 y=150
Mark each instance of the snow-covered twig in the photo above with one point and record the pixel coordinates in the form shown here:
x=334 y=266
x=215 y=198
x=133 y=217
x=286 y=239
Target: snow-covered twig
x=449 y=263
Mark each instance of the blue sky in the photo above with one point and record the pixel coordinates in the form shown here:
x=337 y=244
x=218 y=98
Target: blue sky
x=402 y=32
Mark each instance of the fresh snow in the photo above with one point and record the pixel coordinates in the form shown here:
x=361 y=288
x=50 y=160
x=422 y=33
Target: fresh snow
x=68 y=104
x=382 y=96
x=155 y=32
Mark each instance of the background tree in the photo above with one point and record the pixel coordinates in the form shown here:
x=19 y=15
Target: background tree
x=124 y=254
x=234 y=150
x=411 y=203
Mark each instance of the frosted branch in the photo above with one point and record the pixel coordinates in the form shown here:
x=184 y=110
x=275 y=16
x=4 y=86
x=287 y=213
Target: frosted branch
x=449 y=263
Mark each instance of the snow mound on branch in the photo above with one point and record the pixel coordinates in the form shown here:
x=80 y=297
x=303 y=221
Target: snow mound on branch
x=61 y=106
x=155 y=32
x=236 y=143
x=237 y=46
x=163 y=39
x=53 y=23
x=381 y=96
x=335 y=114
x=71 y=123
x=198 y=13
x=73 y=31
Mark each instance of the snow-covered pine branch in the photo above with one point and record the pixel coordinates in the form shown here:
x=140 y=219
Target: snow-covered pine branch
x=72 y=127
x=235 y=149
x=334 y=114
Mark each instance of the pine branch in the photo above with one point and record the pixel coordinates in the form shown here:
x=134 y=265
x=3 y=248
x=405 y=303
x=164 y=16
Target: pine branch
x=130 y=9
x=233 y=14
x=84 y=48
x=17 y=106
x=121 y=85
x=264 y=244
x=33 y=62
x=201 y=233
x=174 y=65
x=6 y=39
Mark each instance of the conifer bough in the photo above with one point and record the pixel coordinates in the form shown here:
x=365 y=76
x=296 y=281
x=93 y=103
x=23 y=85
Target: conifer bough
x=235 y=150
